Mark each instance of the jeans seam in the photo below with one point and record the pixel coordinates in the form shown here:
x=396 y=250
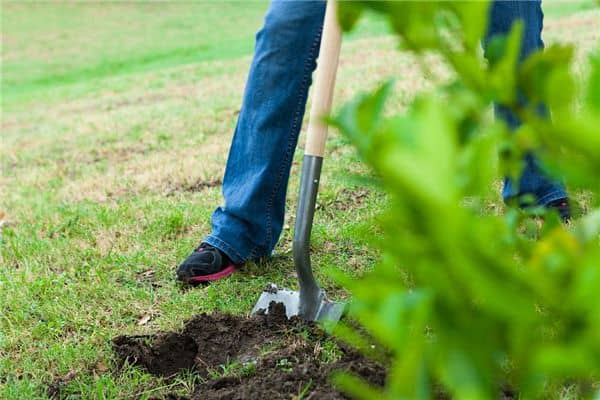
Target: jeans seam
x=290 y=147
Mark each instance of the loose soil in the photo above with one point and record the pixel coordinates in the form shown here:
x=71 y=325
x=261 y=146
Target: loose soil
x=256 y=357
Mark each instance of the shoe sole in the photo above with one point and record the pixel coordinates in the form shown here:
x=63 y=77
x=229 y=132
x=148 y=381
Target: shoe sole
x=214 y=277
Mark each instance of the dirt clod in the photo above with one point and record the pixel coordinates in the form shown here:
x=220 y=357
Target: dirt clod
x=257 y=357
x=163 y=354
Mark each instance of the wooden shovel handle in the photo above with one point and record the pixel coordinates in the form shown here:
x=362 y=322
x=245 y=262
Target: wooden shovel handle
x=327 y=64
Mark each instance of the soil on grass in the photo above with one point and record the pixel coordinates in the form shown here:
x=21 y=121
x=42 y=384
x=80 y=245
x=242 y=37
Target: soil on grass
x=257 y=357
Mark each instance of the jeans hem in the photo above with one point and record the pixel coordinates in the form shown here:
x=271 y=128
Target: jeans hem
x=225 y=248
x=552 y=196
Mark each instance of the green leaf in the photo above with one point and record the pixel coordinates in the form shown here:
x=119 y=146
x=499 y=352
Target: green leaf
x=593 y=93
x=349 y=13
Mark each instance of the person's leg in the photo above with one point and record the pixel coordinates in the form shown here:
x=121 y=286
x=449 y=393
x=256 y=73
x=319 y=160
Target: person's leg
x=533 y=180
x=256 y=176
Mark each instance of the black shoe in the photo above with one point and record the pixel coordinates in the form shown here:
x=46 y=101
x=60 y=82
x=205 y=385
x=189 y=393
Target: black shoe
x=562 y=207
x=206 y=263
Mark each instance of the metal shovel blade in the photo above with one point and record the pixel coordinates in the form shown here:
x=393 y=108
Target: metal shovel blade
x=327 y=310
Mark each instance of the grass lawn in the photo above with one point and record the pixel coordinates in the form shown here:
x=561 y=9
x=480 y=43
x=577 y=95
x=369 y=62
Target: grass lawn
x=116 y=121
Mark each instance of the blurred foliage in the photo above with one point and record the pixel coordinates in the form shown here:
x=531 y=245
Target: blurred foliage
x=465 y=301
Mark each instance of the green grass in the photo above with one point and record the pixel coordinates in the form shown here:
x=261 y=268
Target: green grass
x=558 y=8
x=111 y=115
x=73 y=42
x=55 y=44
x=50 y=45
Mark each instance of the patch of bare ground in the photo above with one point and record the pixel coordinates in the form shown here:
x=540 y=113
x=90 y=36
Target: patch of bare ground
x=187 y=169
x=198 y=186
x=112 y=153
x=263 y=356
x=347 y=199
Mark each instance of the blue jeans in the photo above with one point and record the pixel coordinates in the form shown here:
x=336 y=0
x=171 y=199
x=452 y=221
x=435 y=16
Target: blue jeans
x=533 y=180
x=258 y=168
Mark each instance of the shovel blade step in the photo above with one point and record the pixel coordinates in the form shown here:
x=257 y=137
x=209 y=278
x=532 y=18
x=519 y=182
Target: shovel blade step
x=289 y=298
x=330 y=311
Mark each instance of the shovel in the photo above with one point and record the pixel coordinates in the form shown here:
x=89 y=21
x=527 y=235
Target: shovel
x=311 y=303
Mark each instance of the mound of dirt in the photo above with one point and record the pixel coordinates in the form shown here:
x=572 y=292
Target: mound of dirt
x=257 y=357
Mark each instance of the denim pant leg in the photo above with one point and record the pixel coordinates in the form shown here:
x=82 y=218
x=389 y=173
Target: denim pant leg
x=533 y=180
x=258 y=168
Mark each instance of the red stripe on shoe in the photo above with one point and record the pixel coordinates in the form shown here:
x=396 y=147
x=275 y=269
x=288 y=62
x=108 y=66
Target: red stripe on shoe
x=216 y=276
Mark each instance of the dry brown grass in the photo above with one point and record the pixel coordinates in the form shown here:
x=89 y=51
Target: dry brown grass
x=200 y=139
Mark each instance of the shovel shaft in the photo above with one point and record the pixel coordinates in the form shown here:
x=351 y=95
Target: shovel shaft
x=327 y=64
x=311 y=294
